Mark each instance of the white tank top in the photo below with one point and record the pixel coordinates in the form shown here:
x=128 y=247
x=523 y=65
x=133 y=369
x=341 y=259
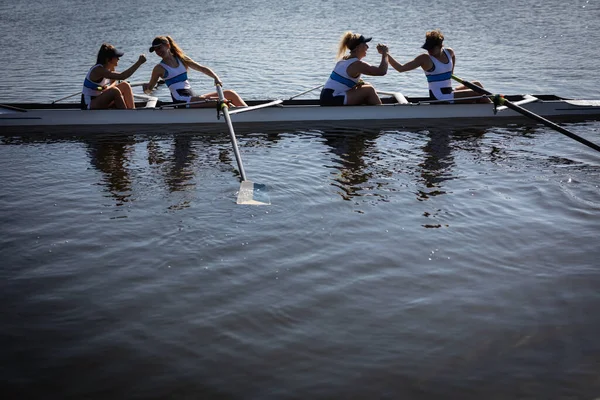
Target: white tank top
x=440 y=76
x=176 y=78
x=339 y=80
x=91 y=88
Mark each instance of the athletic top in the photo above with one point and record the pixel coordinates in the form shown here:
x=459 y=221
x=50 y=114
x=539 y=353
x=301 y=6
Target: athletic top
x=439 y=78
x=339 y=80
x=176 y=78
x=91 y=89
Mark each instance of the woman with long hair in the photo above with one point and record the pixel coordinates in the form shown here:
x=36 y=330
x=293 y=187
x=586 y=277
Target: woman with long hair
x=173 y=69
x=100 y=89
x=344 y=86
x=438 y=64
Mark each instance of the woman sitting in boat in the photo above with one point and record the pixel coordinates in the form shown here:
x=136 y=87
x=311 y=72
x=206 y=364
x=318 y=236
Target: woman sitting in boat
x=438 y=64
x=344 y=86
x=173 y=69
x=99 y=87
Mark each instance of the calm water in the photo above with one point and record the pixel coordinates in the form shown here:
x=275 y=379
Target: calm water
x=399 y=264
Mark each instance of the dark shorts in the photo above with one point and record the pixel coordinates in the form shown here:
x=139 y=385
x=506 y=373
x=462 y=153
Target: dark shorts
x=184 y=93
x=83 y=105
x=328 y=99
x=444 y=90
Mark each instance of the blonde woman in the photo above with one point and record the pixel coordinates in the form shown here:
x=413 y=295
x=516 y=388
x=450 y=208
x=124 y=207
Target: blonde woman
x=438 y=64
x=173 y=69
x=99 y=87
x=344 y=86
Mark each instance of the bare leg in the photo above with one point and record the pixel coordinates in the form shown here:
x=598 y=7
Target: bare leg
x=234 y=98
x=230 y=95
x=365 y=94
x=107 y=99
x=127 y=94
x=463 y=91
x=209 y=100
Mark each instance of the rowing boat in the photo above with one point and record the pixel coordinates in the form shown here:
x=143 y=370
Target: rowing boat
x=158 y=116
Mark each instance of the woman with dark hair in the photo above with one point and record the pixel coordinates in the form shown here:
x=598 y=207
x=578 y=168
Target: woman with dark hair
x=344 y=86
x=438 y=64
x=173 y=69
x=99 y=87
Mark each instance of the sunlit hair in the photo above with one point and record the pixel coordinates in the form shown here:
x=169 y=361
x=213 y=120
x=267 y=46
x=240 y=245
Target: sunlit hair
x=435 y=36
x=175 y=49
x=106 y=52
x=347 y=41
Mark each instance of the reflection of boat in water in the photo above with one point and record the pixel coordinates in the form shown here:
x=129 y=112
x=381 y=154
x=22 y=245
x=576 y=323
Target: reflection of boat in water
x=161 y=116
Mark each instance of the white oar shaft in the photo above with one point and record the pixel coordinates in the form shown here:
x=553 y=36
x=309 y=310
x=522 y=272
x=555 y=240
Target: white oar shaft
x=307 y=91
x=236 y=151
x=66 y=97
x=252 y=108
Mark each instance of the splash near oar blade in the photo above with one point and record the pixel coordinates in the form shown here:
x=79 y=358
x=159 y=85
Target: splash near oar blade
x=528 y=113
x=253 y=194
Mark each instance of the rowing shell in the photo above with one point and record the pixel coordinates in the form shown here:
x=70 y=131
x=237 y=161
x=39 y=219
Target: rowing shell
x=162 y=116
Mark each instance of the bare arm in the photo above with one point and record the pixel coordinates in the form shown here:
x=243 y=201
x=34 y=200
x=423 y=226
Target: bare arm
x=201 y=68
x=361 y=67
x=100 y=73
x=453 y=58
x=157 y=72
x=419 y=61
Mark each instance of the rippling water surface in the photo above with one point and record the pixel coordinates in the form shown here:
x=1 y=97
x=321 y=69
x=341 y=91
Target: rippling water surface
x=427 y=263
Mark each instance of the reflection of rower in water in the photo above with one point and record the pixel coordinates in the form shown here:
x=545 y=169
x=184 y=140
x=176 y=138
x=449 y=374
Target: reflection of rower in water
x=437 y=163
x=439 y=160
x=178 y=172
x=111 y=156
x=351 y=150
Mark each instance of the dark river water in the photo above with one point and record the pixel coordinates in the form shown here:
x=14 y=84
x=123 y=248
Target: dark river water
x=392 y=264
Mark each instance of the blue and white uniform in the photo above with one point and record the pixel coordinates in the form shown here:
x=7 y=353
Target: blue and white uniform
x=177 y=81
x=90 y=89
x=439 y=78
x=339 y=82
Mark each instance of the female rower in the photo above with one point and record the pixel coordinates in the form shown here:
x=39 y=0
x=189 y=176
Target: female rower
x=173 y=69
x=344 y=86
x=438 y=64
x=99 y=87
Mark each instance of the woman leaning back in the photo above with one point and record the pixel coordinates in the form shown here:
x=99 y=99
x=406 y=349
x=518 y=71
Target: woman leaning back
x=344 y=86
x=100 y=89
x=173 y=69
x=438 y=65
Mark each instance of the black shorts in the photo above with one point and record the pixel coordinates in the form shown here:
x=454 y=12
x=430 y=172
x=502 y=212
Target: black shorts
x=328 y=99
x=184 y=93
x=444 y=90
x=83 y=105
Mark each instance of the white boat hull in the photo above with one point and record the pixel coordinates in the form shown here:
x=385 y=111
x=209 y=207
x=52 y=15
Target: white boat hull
x=302 y=114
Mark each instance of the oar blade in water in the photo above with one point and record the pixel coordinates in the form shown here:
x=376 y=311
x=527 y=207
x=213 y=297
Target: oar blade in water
x=253 y=194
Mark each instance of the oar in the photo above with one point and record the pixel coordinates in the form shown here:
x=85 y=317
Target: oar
x=307 y=91
x=66 y=97
x=132 y=84
x=250 y=192
x=527 y=113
